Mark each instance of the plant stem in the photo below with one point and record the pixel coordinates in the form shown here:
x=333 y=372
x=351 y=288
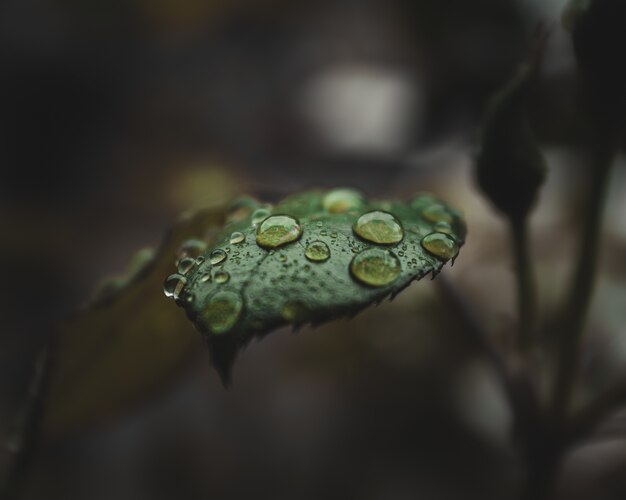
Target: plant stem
x=575 y=313
x=526 y=292
x=24 y=438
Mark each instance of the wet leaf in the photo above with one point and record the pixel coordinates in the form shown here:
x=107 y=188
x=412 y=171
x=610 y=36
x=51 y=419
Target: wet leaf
x=127 y=343
x=313 y=257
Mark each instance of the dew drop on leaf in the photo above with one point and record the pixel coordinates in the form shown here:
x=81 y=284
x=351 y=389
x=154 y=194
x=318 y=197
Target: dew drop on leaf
x=441 y=245
x=375 y=267
x=185 y=264
x=217 y=256
x=278 y=230
x=174 y=285
x=221 y=311
x=379 y=227
x=437 y=213
x=339 y=201
x=237 y=238
x=260 y=215
x=222 y=277
x=317 y=251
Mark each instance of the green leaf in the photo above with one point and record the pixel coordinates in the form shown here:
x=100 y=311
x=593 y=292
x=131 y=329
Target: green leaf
x=313 y=257
x=127 y=343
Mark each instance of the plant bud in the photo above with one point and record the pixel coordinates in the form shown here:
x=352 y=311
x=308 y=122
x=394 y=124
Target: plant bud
x=510 y=167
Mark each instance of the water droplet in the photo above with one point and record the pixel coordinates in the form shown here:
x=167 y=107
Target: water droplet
x=236 y=238
x=260 y=215
x=199 y=260
x=174 y=285
x=444 y=227
x=440 y=245
x=339 y=201
x=185 y=265
x=222 y=277
x=295 y=311
x=375 y=267
x=317 y=251
x=323 y=232
x=333 y=235
x=191 y=248
x=282 y=257
x=217 y=256
x=437 y=213
x=379 y=227
x=278 y=230
x=221 y=311
x=205 y=277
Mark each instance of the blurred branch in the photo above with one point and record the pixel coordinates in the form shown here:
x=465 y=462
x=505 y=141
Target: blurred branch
x=526 y=290
x=577 y=305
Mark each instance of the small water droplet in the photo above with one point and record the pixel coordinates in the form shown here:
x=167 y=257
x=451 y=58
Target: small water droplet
x=185 y=265
x=282 y=257
x=295 y=311
x=205 y=277
x=191 y=248
x=221 y=311
x=200 y=260
x=440 y=245
x=260 y=215
x=222 y=277
x=437 y=213
x=278 y=230
x=319 y=224
x=339 y=201
x=237 y=238
x=323 y=232
x=375 y=267
x=379 y=227
x=317 y=251
x=174 y=285
x=443 y=227
x=333 y=235
x=217 y=256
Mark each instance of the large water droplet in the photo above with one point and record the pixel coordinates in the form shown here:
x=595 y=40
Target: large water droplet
x=295 y=311
x=217 y=256
x=191 y=249
x=379 y=227
x=185 y=265
x=437 y=213
x=222 y=277
x=317 y=251
x=375 y=267
x=260 y=215
x=237 y=238
x=221 y=311
x=339 y=201
x=278 y=230
x=174 y=285
x=440 y=245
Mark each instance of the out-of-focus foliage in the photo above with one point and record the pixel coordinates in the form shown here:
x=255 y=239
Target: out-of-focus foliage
x=127 y=343
x=313 y=257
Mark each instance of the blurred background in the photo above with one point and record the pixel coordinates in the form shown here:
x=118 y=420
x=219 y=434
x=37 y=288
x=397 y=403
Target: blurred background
x=117 y=116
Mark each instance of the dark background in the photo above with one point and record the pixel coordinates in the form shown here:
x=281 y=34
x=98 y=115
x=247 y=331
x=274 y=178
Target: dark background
x=116 y=116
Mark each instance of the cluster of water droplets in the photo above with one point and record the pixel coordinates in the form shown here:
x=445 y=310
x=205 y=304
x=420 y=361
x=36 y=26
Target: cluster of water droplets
x=376 y=240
